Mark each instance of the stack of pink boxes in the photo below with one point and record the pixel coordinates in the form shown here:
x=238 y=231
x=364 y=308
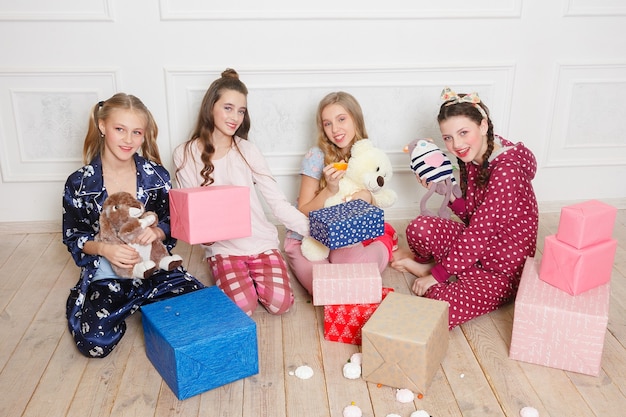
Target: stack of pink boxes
x=562 y=305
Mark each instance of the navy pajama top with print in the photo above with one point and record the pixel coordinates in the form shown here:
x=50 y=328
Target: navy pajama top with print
x=97 y=309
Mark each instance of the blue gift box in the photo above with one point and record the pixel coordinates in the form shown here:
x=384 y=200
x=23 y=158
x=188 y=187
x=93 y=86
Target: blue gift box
x=200 y=341
x=346 y=223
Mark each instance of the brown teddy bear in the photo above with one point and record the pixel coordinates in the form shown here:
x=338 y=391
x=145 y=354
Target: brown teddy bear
x=122 y=219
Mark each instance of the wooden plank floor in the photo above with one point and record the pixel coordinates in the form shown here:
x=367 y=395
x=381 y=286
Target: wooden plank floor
x=42 y=374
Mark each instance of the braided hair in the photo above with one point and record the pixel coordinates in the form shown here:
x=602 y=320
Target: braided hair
x=470 y=111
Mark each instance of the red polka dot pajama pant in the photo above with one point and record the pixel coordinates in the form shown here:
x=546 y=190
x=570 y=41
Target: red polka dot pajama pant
x=476 y=290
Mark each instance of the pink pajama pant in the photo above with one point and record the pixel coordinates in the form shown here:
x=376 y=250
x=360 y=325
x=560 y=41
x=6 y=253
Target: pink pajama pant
x=302 y=268
x=248 y=280
x=477 y=290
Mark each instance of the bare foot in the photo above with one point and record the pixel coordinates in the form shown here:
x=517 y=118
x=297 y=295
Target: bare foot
x=402 y=253
x=412 y=266
x=402 y=264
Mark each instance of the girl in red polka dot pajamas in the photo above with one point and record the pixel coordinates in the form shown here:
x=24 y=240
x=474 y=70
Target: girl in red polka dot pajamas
x=476 y=264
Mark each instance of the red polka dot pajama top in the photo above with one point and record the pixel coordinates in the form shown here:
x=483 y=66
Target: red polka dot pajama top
x=486 y=253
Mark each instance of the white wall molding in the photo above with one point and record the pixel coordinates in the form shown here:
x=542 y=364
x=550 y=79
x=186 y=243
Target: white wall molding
x=545 y=69
x=347 y=9
x=44 y=117
x=283 y=102
x=58 y=10
x=591 y=8
x=584 y=112
x=399 y=104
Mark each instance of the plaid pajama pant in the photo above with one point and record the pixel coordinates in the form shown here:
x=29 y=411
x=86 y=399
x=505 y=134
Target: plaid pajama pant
x=248 y=280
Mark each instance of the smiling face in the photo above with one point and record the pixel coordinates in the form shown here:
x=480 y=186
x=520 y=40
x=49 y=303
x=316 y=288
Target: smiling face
x=338 y=126
x=465 y=138
x=123 y=133
x=228 y=112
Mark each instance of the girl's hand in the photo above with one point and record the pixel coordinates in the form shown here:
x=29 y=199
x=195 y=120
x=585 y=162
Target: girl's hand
x=148 y=235
x=422 y=284
x=122 y=256
x=332 y=176
x=423 y=182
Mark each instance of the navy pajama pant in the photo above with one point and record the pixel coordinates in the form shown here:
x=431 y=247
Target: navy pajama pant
x=97 y=310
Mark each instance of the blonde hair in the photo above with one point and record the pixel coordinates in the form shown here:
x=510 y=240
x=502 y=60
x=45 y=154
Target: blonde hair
x=94 y=140
x=332 y=153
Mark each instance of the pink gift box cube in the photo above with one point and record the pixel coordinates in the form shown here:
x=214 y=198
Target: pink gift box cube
x=558 y=330
x=209 y=214
x=343 y=323
x=576 y=270
x=586 y=224
x=346 y=284
x=405 y=341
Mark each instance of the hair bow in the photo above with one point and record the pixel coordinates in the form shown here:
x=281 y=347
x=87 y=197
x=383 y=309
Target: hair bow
x=450 y=97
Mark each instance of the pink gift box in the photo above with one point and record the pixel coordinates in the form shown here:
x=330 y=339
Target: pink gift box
x=405 y=341
x=586 y=224
x=576 y=270
x=343 y=323
x=346 y=284
x=209 y=214
x=558 y=330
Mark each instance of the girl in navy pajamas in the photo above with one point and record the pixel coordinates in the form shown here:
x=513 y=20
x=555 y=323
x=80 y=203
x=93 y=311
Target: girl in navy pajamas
x=99 y=304
x=476 y=264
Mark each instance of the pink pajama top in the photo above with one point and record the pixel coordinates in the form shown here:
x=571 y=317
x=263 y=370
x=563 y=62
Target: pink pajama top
x=253 y=172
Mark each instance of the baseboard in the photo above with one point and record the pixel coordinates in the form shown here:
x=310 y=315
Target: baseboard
x=30 y=227
x=555 y=206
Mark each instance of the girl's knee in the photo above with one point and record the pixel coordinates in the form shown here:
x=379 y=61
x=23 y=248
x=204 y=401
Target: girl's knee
x=419 y=226
x=248 y=308
x=278 y=298
x=246 y=300
x=279 y=306
x=98 y=345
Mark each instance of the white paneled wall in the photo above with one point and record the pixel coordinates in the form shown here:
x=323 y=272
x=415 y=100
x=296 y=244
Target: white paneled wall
x=552 y=73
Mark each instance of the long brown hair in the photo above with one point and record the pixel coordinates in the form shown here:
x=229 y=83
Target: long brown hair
x=94 y=140
x=205 y=124
x=332 y=153
x=471 y=112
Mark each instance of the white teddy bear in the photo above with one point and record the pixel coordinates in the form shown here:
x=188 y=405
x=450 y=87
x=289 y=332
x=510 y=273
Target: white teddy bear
x=369 y=168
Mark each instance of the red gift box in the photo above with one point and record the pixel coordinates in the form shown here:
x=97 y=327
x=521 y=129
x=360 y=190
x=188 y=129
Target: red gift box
x=209 y=214
x=343 y=323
